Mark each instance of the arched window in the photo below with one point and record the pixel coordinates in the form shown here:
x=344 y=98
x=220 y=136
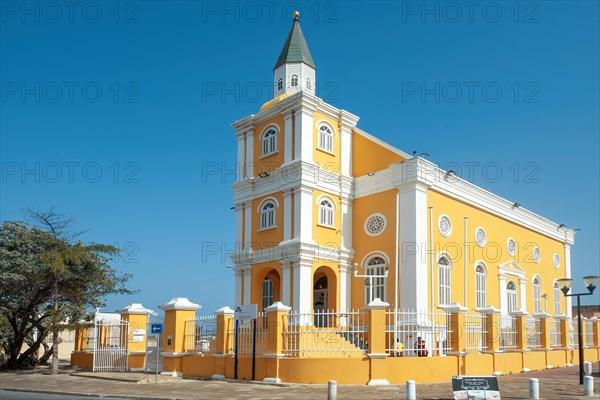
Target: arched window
x=268 y=293
x=537 y=295
x=308 y=83
x=444 y=281
x=511 y=293
x=279 y=84
x=556 y=291
x=294 y=80
x=269 y=142
x=325 y=213
x=325 y=138
x=480 y=276
x=267 y=215
x=375 y=287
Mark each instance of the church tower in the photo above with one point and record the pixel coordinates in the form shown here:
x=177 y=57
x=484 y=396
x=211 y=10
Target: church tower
x=294 y=70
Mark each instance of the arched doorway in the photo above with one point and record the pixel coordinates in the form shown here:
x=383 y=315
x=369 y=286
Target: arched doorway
x=320 y=299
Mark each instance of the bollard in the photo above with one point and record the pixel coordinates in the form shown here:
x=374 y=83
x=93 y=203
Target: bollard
x=411 y=390
x=332 y=390
x=588 y=386
x=534 y=388
x=587 y=368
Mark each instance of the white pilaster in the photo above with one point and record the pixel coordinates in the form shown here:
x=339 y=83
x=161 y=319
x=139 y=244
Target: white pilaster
x=413 y=238
x=247 y=284
x=303 y=146
x=346 y=224
x=249 y=162
x=239 y=227
x=303 y=288
x=303 y=210
x=287 y=139
x=287 y=217
x=568 y=275
x=247 y=224
x=238 y=286
x=523 y=294
x=241 y=158
x=345 y=286
x=502 y=291
x=346 y=150
x=285 y=282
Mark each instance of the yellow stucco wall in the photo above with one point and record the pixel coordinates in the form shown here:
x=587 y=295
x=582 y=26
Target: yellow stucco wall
x=272 y=161
x=368 y=156
x=267 y=238
x=325 y=235
x=329 y=161
x=384 y=203
x=493 y=253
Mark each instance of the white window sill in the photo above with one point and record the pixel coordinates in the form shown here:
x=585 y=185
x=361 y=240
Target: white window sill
x=326 y=151
x=327 y=226
x=267 y=228
x=268 y=155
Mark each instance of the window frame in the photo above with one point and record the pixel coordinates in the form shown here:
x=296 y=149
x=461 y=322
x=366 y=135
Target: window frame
x=268 y=285
x=511 y=297
x=280 y=84
x=444 y=281
x=556 y=301
x=379 y=284
x=537 y=294
x=268 y=215
x=269 y=141
x=326 y=213
x=325 y=138
x=480 y=286
x=294 y=80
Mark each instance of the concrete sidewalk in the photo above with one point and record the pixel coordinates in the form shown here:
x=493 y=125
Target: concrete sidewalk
x=561 y=383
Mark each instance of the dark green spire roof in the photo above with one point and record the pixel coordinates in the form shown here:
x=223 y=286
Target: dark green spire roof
x=295 y=48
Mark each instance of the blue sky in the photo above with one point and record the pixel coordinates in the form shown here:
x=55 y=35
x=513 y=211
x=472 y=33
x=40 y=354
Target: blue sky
x=119 y=113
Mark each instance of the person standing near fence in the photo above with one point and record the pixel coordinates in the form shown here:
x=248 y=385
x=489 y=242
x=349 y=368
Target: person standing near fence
x=420 y=347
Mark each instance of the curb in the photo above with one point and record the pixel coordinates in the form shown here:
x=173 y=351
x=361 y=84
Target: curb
x=125 y=396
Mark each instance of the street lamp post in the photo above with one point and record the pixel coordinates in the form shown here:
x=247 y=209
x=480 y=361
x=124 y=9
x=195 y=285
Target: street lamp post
x=590 y=282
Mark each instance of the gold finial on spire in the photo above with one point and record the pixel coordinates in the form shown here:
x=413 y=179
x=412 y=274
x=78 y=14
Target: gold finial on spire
x=296 y=15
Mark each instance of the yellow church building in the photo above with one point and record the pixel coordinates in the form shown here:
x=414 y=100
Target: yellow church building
x=322 y=205
x=368 y=265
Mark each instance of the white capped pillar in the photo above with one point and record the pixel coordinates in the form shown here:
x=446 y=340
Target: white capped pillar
x=347 y=122
x=345 y=286
x=239 y=227
x=241 y=157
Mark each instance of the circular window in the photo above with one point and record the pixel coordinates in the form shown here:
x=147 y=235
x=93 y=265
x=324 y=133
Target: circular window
x=480 y=237
x=511 y=246
x=556 y=260
x=444 y=225
x=536 y=255
x=375 y=224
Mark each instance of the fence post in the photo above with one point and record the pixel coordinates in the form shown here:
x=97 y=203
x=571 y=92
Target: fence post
x=377 y=355
x=492 y=324
x=458 y=337
x=177 y=311
x=137 y=317
x=544 y=330
x=521 y=328
x=223 y=340
x=276 y=319
x=564 y=330
x=596 y=330
x=583 y=343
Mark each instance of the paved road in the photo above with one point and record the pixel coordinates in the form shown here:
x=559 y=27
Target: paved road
x=10 y=395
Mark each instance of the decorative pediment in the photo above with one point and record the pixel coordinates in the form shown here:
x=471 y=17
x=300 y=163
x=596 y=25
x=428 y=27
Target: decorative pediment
x=511 y=267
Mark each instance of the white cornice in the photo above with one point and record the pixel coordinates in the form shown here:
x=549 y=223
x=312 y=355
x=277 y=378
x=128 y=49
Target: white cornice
x=293 y=251
x=418 y=169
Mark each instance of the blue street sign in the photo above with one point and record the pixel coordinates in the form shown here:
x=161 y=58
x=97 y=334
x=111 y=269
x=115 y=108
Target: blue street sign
x=156 y=328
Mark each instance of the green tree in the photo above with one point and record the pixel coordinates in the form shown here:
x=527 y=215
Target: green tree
x=47 y=278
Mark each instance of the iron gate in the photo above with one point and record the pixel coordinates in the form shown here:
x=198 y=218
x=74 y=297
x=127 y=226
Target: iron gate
x=110 y=344
x=154 y=345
